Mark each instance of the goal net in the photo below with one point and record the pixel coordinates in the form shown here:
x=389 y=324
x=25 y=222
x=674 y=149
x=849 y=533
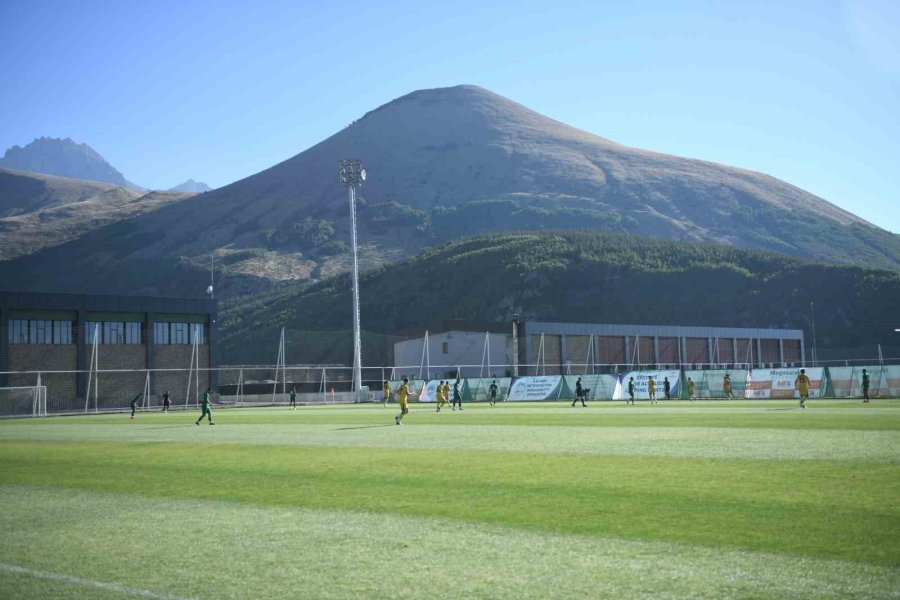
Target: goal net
x=26 y=401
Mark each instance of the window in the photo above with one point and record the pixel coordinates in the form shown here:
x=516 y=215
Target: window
x=197 y=332
x=18 y=331
x=180 y=333
x=89 y=328
x=40 y=332
x=161 y=333
x=113 y=333
x=132 y=333
x=62 y=332
x=444 y=347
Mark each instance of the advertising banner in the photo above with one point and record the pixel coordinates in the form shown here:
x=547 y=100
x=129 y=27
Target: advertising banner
x=641 y=380
x=536 y=388
x=779 y=383
x=429 y=393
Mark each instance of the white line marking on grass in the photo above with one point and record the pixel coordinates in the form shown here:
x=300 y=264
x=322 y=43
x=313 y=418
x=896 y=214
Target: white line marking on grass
x=112 y=587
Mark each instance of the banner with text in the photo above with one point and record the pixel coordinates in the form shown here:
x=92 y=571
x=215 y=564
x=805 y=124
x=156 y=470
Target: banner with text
x=780 y=383
x=641 y=380
x=536 y=388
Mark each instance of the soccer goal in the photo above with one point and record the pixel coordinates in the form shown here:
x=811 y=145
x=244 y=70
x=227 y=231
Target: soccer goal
x=23 y=401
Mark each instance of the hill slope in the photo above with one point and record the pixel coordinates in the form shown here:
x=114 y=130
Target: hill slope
x=22 y=192
x=64 y=158
x=573 y=276
x=446 y=163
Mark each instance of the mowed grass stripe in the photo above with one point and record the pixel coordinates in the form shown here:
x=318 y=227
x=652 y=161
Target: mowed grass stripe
x=814 y=508
x=768 y=444
x=884 y=416
x=211 y=549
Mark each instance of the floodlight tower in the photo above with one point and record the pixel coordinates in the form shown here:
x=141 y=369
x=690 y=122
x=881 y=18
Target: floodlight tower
x=352 y=175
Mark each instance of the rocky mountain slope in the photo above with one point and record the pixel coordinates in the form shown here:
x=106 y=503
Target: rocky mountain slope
x=64 y=158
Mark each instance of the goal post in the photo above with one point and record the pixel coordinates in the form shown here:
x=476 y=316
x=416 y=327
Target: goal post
x=23 y=401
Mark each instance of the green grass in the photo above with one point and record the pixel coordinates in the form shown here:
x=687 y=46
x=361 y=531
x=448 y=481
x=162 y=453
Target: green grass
x=699 y=499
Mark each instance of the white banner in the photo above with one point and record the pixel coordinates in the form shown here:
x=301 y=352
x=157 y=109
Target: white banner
x=779 y=383
x=535 y=388
x=641 y=380
x=429 y=393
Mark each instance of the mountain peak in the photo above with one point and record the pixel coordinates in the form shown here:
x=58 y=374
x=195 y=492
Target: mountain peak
x=190 y=186
x=63 y=158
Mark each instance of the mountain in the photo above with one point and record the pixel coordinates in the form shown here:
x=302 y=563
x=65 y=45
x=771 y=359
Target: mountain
x=569 y=277
x=65 y=158
x=443 y=164
x=191 y=186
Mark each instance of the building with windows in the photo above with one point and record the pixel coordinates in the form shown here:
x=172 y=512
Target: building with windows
x=55 y=333
x=560 y=348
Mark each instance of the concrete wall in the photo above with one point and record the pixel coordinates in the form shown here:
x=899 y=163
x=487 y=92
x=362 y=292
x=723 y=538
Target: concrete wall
x=462 y=348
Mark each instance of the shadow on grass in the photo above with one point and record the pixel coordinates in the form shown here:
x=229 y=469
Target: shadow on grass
x=366 y=427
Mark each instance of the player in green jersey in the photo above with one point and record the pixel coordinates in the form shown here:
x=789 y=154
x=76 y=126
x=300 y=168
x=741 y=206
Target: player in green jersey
x=205 y=407
x=865 y=386
x=134 y=403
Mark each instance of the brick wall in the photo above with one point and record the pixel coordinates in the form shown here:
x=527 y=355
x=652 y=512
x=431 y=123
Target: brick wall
x=117 y=389
x=60 y=386
x=175 y=382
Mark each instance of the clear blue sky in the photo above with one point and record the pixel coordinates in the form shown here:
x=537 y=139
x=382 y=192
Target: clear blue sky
x=166 y=90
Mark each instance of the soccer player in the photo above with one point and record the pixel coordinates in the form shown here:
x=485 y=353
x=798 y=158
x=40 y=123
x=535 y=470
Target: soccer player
x=667 y=388
x=293 y=405
x=439 y=393
x=865 y=387
x=134 y=403
x=579 y=393
x=386 y=391
x=630 y=390
x=801 y=384
x=492 y=392
x=447 y=392
x=166 y=402
x=205 y=411
x=403 y=399
x=457 y=396
x=726 y=386
x=692 y=387
x=651 y=389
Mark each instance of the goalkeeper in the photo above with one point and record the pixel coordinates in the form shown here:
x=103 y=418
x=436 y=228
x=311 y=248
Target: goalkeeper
x=134 y=403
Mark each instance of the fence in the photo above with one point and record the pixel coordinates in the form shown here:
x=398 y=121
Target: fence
x=32 y=393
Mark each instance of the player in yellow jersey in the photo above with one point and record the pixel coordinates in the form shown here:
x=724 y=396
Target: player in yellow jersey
x=651 y=389
x=386 y=390
x=447 y=392
x=403 y=399
x=439 y=396
x=801 y=384
x=692 y=388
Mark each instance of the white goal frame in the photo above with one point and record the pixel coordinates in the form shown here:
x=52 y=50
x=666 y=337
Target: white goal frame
x=38 y=398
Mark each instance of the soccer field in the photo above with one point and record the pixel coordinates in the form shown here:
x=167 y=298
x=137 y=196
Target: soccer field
x=678 y=500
